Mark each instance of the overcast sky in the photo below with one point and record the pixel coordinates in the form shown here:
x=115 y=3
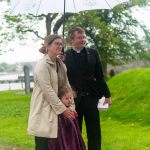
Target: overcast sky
x=30 y=52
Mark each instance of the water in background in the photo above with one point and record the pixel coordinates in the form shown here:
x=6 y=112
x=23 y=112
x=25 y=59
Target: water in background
x=13 y=86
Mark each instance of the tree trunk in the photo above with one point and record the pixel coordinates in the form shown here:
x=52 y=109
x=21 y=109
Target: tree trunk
x=49 y=19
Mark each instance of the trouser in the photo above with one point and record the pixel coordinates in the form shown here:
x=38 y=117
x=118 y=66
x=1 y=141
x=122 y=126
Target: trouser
x=41 y=143
x=92 y=122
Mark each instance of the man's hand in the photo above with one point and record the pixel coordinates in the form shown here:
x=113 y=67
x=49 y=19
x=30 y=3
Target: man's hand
x=108 y=100
x=61 y=56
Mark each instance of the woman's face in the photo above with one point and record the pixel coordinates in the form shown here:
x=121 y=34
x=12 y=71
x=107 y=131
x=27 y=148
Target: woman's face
x=55 y=48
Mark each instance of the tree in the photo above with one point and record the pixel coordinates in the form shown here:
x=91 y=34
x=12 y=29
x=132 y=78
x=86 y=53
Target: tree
x=4 y=67
x=24 y=26
x=116 y=34
x=112 y=32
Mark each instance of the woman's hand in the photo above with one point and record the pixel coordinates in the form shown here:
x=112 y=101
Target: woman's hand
x=69 y=113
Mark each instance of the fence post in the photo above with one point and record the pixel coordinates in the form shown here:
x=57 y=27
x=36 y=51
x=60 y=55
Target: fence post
x=27 y=79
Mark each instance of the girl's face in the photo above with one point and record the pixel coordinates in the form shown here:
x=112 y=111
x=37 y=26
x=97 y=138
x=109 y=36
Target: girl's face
x=67 y=99
x=55 y=48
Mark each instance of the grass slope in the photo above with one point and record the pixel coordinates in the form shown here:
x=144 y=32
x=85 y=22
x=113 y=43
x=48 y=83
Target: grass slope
x=131 y=97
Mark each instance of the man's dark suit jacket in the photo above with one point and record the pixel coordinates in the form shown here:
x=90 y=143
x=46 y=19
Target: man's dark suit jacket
x=85 y=73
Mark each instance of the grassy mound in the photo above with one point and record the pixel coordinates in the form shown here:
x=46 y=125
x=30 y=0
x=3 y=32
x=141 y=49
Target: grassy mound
x=131 y=97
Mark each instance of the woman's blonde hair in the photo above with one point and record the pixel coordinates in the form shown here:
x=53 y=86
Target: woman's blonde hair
x=48 y=40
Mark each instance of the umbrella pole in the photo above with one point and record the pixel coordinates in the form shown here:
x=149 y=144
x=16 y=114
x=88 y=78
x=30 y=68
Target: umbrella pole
x=64 y=22
x=64 y=18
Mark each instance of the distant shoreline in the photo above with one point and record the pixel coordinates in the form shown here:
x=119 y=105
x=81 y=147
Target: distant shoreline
x=13 y=86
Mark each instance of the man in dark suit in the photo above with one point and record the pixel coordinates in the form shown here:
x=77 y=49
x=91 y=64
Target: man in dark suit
x=86 y=77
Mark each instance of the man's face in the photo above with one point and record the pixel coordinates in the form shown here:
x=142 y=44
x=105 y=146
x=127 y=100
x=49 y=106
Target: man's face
x=79 y=40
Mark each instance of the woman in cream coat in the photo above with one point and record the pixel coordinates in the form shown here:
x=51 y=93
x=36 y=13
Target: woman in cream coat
x=49 y=76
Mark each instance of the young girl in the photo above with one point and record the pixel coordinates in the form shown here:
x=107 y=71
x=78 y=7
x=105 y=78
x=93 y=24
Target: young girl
x=69 y=136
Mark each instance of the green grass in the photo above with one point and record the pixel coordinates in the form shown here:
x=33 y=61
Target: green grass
x=127 y=136
x=131 y=97
x=14 y=108
x=125 y=126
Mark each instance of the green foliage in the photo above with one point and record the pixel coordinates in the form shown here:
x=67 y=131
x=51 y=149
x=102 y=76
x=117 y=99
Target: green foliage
x=16 y=67
x=139 y=2
x=4 y=67
x=114 y=33
x=130 y=93
x=23 y=24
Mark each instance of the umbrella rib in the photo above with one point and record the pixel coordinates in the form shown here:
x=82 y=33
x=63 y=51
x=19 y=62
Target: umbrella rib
x=15 y=6
x=64 y=17
x=118 y=1
x=108 y=4
x=38 y=7
x=74 y=6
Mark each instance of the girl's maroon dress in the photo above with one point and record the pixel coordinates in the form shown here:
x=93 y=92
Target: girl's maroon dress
x=69 y=136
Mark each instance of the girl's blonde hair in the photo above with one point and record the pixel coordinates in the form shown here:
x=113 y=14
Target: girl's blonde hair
x=63 y=90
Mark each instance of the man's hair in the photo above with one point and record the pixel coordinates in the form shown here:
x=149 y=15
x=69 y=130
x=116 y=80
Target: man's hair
x=73 y=30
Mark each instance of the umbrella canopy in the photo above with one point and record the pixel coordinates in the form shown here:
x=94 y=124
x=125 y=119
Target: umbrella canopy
x=60 y=6
x=38 y=7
